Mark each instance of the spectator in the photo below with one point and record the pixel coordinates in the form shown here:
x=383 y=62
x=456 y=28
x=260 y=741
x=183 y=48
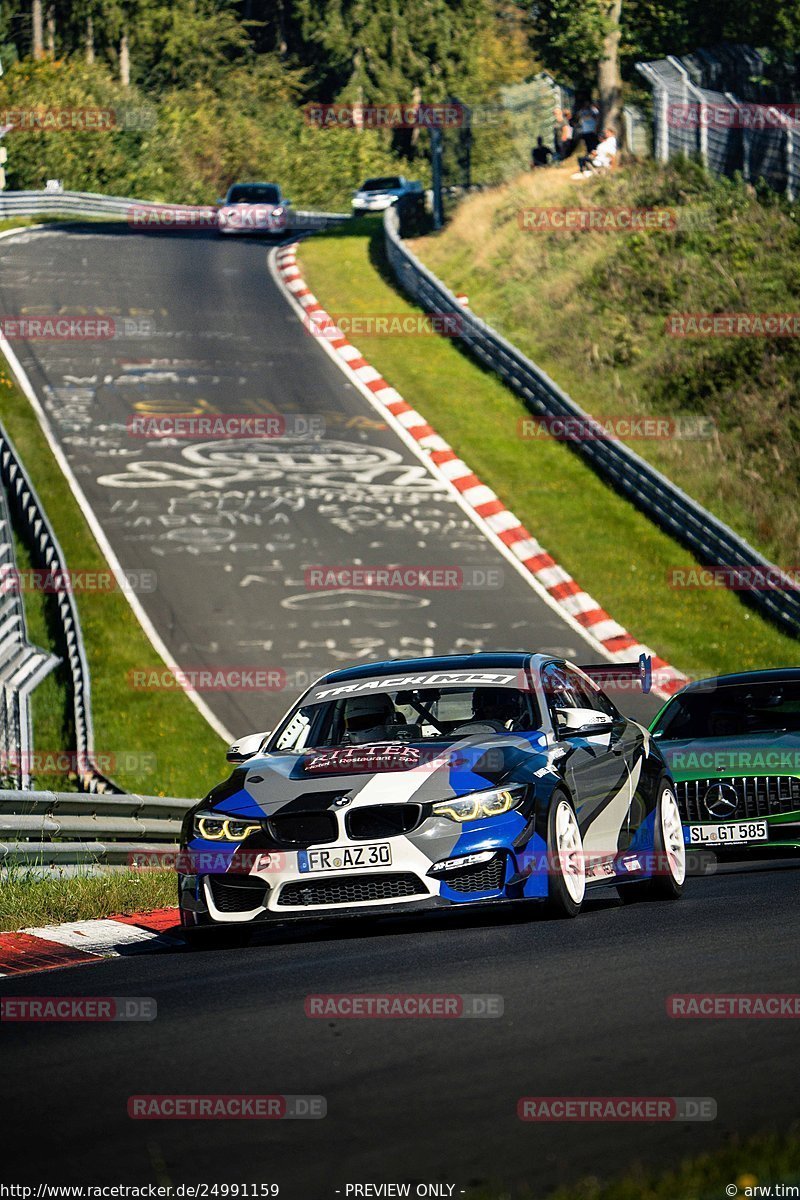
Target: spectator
x=599 y=159
x=565 y=135
x=540 y=154
x=588 y=120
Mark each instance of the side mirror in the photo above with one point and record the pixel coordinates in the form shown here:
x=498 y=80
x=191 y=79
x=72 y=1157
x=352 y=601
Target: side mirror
x=286 y=202
x=220 y=200
x=586 y=721
x=246 y=747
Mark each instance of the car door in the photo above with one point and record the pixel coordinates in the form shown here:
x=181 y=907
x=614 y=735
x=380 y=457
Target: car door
x=595 y=764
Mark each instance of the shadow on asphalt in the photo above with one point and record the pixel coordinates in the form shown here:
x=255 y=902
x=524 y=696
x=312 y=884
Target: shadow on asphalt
x=516 y=912
x=494 y=915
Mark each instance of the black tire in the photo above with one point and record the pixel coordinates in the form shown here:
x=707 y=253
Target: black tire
x=562 y=900
x=667 y=883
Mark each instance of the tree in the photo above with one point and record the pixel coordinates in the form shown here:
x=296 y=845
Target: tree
x=38 y=30
x=609 y=80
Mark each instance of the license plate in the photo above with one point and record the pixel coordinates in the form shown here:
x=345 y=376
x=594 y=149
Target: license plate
x=340 y=858
x=734 y=831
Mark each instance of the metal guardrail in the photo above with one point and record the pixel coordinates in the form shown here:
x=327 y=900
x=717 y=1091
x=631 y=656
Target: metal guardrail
x=46 y=553
x=22 y=665
x=91 y=204
x=709 y=539
x=97 y=829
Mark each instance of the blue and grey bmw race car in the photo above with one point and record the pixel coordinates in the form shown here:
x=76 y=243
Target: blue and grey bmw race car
x=434 y=782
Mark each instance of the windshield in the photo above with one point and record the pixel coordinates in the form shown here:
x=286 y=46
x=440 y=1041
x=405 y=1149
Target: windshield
x=403 y=716
x=381 y=185
x=254 y=193
x=731 y=710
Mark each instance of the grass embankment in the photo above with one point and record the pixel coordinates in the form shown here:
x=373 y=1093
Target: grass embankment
x=27 y=899
x=152 y=742
x=591 y=310
x=613 y=551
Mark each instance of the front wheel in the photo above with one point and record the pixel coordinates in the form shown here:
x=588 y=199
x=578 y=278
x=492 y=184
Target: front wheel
x=669 y=866
x=566 y=869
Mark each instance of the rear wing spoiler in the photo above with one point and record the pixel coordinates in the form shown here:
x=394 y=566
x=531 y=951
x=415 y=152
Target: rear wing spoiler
x=623 y=674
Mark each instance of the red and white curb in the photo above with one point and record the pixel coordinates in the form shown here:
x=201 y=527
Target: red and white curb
x=550 y=580
x=79 y=943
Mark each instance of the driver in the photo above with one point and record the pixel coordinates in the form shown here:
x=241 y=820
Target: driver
x=495 y=706
x=366 y=717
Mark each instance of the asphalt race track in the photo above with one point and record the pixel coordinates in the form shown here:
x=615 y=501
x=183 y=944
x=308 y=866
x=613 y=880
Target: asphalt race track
x=229 y=528
x=423 y=1099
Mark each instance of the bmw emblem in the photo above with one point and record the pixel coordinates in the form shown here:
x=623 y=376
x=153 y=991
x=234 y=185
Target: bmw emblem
x=721 y=800
x=341 y=801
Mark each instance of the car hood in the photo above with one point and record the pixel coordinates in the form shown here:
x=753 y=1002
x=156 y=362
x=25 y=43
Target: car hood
x=743 y=754
x=386 y=773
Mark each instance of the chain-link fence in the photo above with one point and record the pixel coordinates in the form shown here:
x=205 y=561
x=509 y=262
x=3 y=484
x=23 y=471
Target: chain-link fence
x=744 y=130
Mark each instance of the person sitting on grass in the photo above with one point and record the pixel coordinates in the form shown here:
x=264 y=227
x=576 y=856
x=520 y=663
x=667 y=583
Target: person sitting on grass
x=540 y=154
x=599 y=159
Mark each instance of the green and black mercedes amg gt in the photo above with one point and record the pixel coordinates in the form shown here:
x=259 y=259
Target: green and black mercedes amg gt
x=732 y=744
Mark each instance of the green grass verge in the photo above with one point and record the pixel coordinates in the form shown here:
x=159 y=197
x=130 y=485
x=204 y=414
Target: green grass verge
x=761 y=1160
x=28 y=899
x=157 y=742
x=613 y=551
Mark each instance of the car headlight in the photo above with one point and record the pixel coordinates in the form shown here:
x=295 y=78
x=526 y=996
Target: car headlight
x=481 y=804
x=222 y=829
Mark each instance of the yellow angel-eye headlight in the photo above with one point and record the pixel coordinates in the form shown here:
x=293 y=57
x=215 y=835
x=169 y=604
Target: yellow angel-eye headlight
x=222 y=829
x=480 y=805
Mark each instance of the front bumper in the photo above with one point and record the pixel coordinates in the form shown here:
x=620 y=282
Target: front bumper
x=440 y=865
